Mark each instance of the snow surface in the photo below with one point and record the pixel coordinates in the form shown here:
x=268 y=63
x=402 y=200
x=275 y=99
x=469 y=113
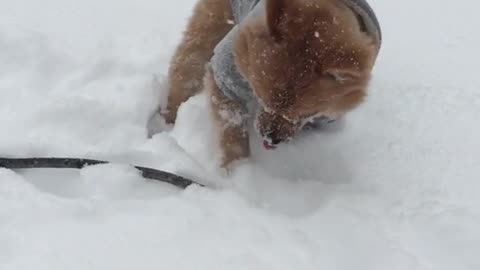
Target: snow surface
x=395 y=186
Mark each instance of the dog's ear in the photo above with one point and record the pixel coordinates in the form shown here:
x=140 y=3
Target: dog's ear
x=276 y=12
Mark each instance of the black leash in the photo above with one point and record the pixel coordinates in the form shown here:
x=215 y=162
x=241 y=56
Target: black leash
x=78 y=163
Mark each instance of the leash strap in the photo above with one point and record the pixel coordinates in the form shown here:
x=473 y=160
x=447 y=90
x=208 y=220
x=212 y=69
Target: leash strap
x=78 y=163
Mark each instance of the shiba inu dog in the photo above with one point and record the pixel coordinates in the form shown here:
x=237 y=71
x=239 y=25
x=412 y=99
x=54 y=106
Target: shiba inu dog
x=300 y=61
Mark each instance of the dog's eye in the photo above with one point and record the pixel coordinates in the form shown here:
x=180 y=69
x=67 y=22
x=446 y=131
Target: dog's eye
x=337 y=76
x=334 y=76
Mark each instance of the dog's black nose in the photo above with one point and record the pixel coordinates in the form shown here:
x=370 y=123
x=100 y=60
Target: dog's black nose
x=276 y=141
x=273 y=137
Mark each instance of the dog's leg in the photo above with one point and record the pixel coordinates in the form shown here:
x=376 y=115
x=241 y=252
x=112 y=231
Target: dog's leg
x=231 y=123
x=210 y=22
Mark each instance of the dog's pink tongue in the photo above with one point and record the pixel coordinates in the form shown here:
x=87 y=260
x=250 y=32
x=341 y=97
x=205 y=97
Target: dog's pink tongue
x=268 y=145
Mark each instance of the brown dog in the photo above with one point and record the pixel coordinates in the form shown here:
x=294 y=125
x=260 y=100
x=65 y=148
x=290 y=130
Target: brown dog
x=298 y=59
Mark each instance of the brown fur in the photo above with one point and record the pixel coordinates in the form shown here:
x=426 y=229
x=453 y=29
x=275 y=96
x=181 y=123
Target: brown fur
x=232 y=126
x=306 y=57
x=208 y=25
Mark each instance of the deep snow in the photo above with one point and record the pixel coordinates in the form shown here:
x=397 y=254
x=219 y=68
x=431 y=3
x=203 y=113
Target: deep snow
x=395 y=186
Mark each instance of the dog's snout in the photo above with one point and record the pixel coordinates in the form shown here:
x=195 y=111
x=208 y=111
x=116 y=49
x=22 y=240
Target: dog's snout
x=276 y=141
x=274 y=138
x=270 y=141
x=274 y=128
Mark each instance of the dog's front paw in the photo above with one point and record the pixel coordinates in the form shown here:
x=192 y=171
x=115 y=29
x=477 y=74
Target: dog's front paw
x=235 y=147
x=156 y=124
x=169 y=115
x=228 y=167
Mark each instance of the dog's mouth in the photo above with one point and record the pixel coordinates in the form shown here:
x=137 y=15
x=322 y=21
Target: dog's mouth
x=271 y=140
x=275 y=129
x=268 y=145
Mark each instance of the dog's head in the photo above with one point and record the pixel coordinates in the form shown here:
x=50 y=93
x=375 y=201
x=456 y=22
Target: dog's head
x=303 y=58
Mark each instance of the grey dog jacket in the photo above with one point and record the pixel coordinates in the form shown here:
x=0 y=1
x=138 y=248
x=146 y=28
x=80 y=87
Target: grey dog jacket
x=225 y=72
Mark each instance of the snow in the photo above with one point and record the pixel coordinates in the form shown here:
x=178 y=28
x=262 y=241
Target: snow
x=394 y=186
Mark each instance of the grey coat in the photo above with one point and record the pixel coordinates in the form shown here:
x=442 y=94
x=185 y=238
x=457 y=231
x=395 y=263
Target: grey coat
x=226 y=75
